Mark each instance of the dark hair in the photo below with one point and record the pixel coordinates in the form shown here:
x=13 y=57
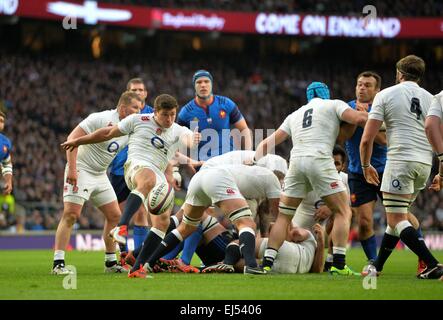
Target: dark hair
x=165 y=101
x=338 y=150
x=127 y=96
x=411 y=67
x=373 y=74
x=135 y=81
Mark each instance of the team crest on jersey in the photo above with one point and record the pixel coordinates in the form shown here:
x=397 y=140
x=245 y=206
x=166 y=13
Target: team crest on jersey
x=353 y=198
x=158 y=131
x=145 y=118
x=230 y=191
x=222 y=114
x=5 y=149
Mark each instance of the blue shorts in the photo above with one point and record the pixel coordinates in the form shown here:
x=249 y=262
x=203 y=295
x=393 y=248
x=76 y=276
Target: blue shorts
x=361 y=191
x=120 y=188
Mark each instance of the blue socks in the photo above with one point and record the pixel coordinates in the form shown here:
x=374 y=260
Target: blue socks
x=191 y=244
x=370 y=247
x=140 y=233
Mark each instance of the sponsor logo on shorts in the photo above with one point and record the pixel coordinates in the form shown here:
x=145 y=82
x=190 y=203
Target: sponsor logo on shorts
x=230 y=191
x=334 y=185
x=396 y=184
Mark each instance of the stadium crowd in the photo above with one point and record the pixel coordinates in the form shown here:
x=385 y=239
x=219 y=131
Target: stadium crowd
x=392 y=8
x=46 y=96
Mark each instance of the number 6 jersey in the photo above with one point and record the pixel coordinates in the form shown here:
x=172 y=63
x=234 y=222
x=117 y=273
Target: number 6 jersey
x=403 y=108
x=314 y=128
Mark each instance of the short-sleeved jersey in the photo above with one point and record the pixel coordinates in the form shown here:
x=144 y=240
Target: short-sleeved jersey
x=436 y=108
x=378 y=158
x=254 y=182
x=218 y=116
x=5 y=150
x=116 y=167
x=314 y=127
x=403 y=108
x=148 y=142
x=270 y=161
x=96 y=157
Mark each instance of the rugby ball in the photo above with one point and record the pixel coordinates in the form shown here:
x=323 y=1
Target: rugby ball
x=160 y=199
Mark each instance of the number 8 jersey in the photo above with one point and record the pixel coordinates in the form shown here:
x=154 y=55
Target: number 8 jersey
x=314 y=128
x=403 y=108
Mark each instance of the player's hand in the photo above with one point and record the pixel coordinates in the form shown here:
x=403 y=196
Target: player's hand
x=322 y=213
x=371 y=175
x=7 y=189
x=360 y=106
x=191 y=167
x=71 y=177
x=436 y=184
x=196 y=136
x=318 y=230
x=69 y=145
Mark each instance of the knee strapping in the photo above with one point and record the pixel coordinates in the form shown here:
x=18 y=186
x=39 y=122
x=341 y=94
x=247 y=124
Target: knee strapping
x=209 y=223
x=287 y=210
x=240 y=213
x=191 y=221
x=396 y=204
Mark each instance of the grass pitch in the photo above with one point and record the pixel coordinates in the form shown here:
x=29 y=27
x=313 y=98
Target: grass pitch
x=26 y=275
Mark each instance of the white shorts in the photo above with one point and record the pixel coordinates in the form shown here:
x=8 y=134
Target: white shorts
x=96 y=188
x=310 y=173
x=405 y=177
x=303 y=220
x=133 y=167
x=210 y=186
x=292 y=257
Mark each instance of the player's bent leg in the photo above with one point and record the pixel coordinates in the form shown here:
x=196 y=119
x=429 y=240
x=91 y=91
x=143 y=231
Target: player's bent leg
x=144 y=180
x=366 y=230
x=71 y=212
x=112 y=214
x=287 y=208
x=339 y=205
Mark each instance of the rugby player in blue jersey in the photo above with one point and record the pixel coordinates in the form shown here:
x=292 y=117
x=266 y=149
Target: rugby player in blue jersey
x=209 y=111
x=5 y=157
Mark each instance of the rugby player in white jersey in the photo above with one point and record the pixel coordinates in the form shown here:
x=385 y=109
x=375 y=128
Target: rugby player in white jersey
x=314 y=129
x=403 y=108
x=153 y=142
x=226 y=187
x=86 y=179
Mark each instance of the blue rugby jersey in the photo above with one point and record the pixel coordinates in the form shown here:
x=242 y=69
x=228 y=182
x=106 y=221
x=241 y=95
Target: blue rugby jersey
x=220 y=115
x=378 y=158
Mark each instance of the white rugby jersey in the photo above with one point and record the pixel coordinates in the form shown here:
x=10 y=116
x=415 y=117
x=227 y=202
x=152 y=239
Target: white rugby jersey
x=314 y=127
x=254 y=182
x=312 y=201
x=403 y=108
x=270 y=161
x=436 y=108
x=148 y=142
x=95 y=158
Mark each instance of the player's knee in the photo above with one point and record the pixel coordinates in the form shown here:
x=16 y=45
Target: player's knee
x=70 y=217
x=113 y=217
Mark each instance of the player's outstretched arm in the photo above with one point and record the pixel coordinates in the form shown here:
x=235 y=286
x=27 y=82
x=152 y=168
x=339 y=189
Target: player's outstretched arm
x=100 y=135
x=358 y=118
x=192 y=140
x=269 y=144
x=432 y=129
